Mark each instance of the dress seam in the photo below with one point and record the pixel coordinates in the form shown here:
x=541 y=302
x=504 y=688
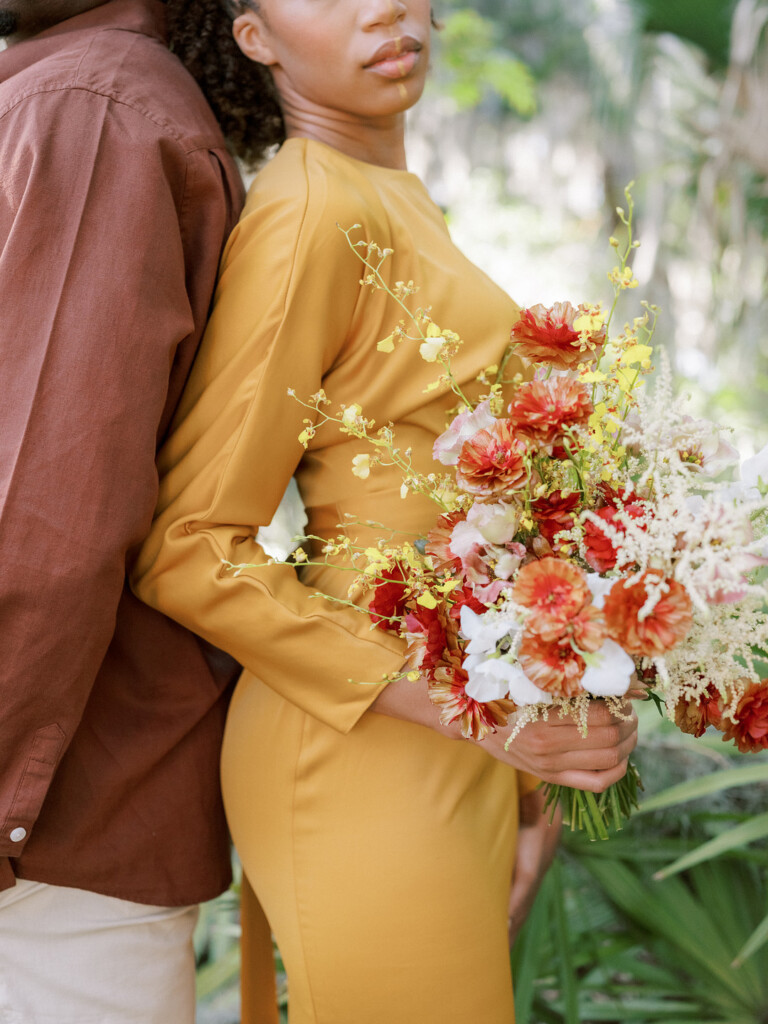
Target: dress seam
x=296 y=876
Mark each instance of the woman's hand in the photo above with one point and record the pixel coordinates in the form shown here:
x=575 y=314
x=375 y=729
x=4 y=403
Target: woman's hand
x=554 y=750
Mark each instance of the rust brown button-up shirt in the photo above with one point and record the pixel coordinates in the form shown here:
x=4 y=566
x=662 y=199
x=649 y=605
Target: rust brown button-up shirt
x=116 y=196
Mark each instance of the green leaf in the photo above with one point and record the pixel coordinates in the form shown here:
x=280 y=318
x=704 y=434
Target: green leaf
x=739 y=835
x=705 y=785
x=756 y=941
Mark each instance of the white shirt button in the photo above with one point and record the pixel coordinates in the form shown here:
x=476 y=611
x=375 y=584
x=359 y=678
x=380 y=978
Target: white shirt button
x=18 y=834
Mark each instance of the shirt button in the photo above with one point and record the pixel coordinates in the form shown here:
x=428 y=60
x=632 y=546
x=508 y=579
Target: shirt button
x=18 y=834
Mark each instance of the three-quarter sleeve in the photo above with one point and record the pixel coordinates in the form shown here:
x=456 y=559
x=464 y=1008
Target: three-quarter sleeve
x=285 y=306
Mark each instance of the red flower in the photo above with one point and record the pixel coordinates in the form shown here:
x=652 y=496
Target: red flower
x=543 y=410
x=548 y=336
x=554 y=667
x=389 y=599
x=750 y=730
x=492 y=461
x=555 y=590
x=667 y=623
x=446 y=690
x=427 y=636
x=601 y=555
x=693 y=716
x=555 y=512
x=465 y=596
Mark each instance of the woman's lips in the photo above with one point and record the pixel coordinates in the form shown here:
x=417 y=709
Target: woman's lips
x=395 y=59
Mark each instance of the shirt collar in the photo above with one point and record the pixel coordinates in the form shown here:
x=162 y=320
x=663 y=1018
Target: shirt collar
x=147 y=17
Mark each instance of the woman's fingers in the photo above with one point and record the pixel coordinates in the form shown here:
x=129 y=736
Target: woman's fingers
x=594 y=782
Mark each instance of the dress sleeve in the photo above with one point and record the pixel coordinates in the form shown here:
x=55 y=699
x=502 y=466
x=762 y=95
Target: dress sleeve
x=95 y=304
x=287 y=296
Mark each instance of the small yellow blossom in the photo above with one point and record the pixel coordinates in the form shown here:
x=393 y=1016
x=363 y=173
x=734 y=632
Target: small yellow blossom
x=413 y=677
x=427 y=600
x=361 y=466
x=387 y=344
x=351 y=414
x=300 y=555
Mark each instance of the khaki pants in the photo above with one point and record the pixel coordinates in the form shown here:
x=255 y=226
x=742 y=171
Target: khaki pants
x=74 y=957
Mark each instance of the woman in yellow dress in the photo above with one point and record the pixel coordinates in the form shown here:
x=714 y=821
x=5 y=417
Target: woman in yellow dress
x=379 y=843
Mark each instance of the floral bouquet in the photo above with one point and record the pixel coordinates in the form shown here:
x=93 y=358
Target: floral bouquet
x=581 y=547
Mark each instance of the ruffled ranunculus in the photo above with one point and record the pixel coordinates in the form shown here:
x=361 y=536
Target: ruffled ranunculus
x=553 y=590
x=694 y=716
x=601 y=554
x=389 y=599
x=554 y=513
x=750 y=730
x=549 y=336
x=492 y=462
x=644 y=631
x=448 y=445
x=542 y=410
x=447 y=691
x=554 y=667
x=439 y=537
x=427 y=634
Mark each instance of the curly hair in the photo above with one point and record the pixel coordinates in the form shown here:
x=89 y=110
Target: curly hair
x=241 y=93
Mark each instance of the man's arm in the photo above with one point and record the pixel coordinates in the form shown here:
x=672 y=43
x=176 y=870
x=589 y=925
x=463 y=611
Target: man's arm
x=94 y=304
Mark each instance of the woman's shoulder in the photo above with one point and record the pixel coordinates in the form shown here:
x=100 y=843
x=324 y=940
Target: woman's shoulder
x=310 y=182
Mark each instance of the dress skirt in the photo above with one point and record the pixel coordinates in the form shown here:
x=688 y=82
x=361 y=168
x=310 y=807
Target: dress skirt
x=382 y=859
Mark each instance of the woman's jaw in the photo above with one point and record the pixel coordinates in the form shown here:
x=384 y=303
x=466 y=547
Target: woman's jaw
x=345 y=71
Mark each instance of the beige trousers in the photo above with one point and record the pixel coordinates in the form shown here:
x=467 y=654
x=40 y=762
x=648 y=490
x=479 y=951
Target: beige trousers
x=74 y=957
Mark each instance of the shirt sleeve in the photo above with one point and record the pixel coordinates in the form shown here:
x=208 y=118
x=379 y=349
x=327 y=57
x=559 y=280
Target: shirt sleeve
x=286 y=300
x=94 y=304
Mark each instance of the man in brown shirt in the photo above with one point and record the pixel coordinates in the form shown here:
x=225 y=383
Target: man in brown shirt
x=116 y=195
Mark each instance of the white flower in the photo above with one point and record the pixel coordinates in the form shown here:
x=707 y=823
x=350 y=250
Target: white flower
x=599 y=587
x=448 y=445
x=483 y=631
x=496 y=521
x=495 y=678
x=609 y=671
x=755 y=469
x=361 y=466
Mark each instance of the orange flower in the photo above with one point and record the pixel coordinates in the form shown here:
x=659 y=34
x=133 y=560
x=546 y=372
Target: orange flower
x=693 y=716
x=750 y=730
x=439 y=538
x=555 y=590
x=446 y=690
x=667 y=623
x=542 y=410
x=554 y=667
x=492 y=461
x=555 y=512
x=548 y=336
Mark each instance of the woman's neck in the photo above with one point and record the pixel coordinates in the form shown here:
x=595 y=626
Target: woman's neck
x=378 y=141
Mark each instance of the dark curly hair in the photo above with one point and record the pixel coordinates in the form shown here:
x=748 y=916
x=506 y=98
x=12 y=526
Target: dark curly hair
x=241 y=92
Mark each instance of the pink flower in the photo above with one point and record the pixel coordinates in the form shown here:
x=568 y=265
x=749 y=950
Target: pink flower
x=448 y=445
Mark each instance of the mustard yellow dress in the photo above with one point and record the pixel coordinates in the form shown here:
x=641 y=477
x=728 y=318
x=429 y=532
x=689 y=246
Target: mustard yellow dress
x=381 y=852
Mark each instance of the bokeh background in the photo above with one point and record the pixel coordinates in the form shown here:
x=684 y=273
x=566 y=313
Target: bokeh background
x=538 y=114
